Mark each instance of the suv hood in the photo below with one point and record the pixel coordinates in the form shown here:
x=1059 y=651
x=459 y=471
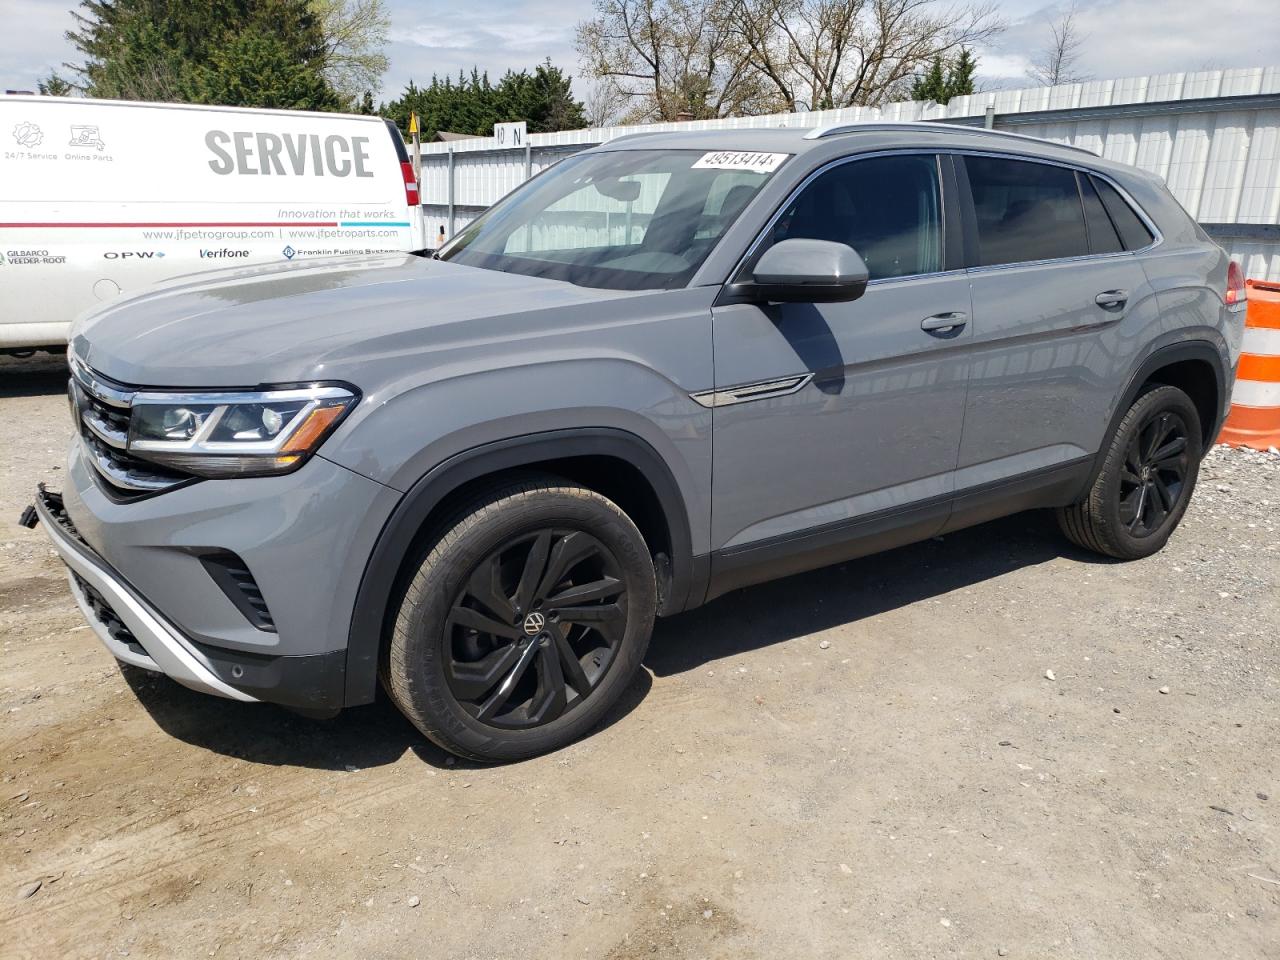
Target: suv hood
x=313 y=320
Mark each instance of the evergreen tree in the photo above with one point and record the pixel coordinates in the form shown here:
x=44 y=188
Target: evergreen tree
x=473 y=104
x=175 y=50
x=960 y=81
x=942 y=81
x=54 y=86
x=932 y=84
x=260 y=70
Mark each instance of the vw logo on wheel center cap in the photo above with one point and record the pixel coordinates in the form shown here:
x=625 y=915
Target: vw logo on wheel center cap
x=534 y=623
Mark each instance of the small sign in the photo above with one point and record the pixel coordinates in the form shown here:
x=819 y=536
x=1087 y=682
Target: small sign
x=510 y=134
x=741 y=160
x=413 y=124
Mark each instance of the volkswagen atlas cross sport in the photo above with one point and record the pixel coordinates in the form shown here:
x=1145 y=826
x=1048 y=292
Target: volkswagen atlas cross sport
x=666 y=368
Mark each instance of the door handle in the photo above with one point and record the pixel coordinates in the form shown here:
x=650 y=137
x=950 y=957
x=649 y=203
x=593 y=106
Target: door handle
x=944 y=322
x=1112 y=299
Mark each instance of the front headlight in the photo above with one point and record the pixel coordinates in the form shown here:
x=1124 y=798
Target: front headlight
x=235 y=434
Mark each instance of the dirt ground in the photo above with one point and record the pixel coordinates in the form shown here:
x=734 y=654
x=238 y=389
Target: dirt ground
x=869 y=761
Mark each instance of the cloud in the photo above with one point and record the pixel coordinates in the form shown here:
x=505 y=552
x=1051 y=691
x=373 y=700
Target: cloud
x=32 y=43
x=493 y=35
x=1123 y=38
x=1132 y=38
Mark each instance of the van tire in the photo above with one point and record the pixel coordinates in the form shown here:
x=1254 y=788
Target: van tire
x=1104 y=521
x=495 y=536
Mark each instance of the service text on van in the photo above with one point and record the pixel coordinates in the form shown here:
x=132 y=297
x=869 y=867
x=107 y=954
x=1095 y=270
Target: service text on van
x=266 y=154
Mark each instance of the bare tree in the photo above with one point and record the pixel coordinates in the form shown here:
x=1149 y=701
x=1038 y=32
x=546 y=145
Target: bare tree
x=669 y=58
x=820 y=54
x=603 y=105
x=355 y=33
x=1056 y=63
x=725 y=57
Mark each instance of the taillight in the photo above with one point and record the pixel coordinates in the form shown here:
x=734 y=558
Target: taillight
x=1236 y=291
x=411 y=185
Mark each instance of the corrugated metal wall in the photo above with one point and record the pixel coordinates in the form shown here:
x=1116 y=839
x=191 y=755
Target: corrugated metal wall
x=1214 y=136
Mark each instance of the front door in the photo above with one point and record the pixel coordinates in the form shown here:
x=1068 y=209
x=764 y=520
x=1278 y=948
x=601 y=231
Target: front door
x=834 y=420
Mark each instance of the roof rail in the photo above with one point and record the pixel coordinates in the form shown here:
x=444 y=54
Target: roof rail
x=837 y=129
x=637 y=136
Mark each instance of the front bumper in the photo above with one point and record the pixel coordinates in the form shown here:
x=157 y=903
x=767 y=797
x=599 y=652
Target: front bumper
x=130 y=628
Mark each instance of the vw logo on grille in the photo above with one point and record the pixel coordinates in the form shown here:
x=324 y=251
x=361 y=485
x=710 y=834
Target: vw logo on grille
x=534 y=623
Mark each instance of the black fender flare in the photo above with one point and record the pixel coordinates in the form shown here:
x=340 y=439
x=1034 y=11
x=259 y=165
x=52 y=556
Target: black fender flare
x=1162 y=357
x=369 y=615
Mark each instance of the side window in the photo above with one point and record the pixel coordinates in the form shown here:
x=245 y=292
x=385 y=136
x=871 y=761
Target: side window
x=1025 y=211
x=1133 y=232
x=1103 y=237
x=889 y=209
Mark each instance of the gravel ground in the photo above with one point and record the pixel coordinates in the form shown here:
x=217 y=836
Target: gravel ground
x=987 y=745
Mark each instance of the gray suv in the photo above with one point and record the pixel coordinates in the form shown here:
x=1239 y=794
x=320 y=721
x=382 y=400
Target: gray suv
x=663 y=369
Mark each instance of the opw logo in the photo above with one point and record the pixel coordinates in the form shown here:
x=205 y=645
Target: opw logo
x=133 y=254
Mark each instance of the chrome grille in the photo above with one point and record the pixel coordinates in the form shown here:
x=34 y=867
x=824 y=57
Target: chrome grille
x=102 y=410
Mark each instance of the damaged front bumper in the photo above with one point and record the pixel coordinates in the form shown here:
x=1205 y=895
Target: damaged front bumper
x=129 y=627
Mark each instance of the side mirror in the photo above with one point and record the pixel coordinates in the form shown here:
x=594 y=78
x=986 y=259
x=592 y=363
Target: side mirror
x=806 y=271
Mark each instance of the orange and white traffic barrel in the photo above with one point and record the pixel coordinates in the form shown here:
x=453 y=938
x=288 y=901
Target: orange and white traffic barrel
x=1254 y=420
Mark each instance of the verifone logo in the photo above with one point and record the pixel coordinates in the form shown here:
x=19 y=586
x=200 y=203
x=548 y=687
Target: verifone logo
x=287 y=154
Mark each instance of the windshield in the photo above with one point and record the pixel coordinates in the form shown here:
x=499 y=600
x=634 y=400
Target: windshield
x=625 y=220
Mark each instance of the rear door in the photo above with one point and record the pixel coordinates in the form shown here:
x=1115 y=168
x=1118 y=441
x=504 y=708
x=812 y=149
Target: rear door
x=838 y=420
x=1058 y=303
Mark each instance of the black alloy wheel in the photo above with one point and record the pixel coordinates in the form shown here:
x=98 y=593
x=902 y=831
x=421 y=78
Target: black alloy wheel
x=535 y=628
x=526 y=618
x=1153 y=476
x=1145 y=481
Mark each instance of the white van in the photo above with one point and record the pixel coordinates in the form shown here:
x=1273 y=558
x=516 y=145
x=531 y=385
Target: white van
x=101 y=196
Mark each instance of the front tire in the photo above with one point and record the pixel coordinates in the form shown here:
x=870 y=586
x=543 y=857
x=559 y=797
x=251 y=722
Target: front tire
x=1146 y=480
x=525 y=622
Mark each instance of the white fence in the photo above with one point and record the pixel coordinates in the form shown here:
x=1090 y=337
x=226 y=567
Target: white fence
x=1214 y=137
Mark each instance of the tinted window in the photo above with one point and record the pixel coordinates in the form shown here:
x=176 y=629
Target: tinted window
x=626 y=219
x=1025 y=211
x=886 y=208
x=1102 y=232
x=1133 y=232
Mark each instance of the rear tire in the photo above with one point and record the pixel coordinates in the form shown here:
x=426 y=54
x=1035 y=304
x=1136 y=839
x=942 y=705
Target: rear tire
x=524 y=624
x=1146 y=480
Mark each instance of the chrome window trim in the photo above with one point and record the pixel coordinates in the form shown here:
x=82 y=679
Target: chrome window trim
x=841 y=161
x=1158 y=236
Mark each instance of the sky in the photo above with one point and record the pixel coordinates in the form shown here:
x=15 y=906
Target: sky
x=1123 y=38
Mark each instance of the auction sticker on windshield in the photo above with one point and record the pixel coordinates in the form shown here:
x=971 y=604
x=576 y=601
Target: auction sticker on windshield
x=740 y=160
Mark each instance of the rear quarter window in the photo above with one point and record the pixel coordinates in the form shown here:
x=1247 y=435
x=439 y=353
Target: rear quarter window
x=1103 y=236
x=1133 y=232
x=1025 y=211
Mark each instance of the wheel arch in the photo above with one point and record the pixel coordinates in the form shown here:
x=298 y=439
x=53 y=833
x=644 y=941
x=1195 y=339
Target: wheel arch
x=1196 y=367
x=618 y=464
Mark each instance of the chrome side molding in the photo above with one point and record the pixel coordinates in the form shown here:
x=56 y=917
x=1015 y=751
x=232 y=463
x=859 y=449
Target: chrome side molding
x=746 y=392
